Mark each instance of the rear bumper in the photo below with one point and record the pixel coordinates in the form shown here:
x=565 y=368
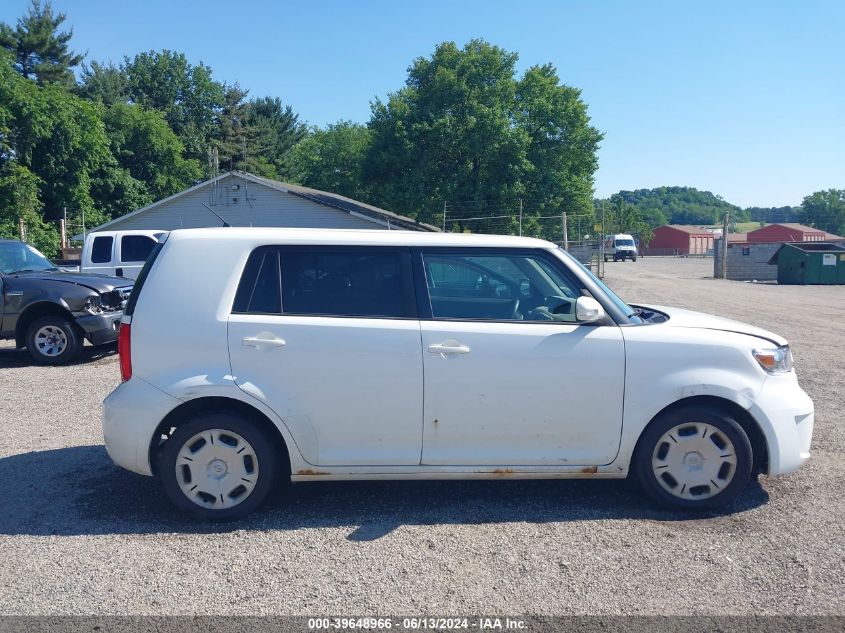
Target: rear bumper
x=786 y=415
x=131 y=414
x=100 y=328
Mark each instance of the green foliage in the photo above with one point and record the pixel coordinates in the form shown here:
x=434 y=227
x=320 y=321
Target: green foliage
x=58 y=137
x=40 y=51
x=773 y=214
x=278 y=131
x=825 y=210
x=186 y=94
x=465 y=129
x=677 y=205
x=103 y=82
x=331 y=159
x=19 y=200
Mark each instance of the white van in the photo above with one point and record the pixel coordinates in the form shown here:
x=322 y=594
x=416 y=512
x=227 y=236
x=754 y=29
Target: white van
x=252 y=357
x=118 y=253
x=620 y=246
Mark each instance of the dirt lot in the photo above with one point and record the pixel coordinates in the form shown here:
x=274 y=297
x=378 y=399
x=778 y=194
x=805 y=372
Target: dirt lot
x=79 y=536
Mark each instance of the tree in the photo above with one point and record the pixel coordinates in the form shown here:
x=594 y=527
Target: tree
x=57 y=137
x=103 y=82
x=41 y=52
x=825 y=210
x=677 y=205
x=332 y=159
x=142 y=143
x=465 y=130
x=562 y=144
x=187 y=95
x=278 y=129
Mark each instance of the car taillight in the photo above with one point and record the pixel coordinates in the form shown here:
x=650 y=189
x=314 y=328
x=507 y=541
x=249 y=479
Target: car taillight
x=124 y=350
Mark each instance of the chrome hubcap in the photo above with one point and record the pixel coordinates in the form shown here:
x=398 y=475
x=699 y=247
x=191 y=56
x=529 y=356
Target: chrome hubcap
x=50 y=340
x=694 y=460
x=217 y=469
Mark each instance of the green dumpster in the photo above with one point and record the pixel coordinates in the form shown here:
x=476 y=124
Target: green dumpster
x=810 y=263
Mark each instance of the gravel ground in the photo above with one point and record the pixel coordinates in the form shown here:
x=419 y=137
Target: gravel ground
x=79 y=536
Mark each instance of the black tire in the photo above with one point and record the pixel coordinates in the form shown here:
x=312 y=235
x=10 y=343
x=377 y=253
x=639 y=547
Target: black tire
x=68 y=334
x=605 y=260
x=684 y=418
x=633 y=259
x=265 y=451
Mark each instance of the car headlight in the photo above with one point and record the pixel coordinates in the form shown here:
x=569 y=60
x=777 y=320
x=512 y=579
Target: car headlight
x=93 y=305
x=775 y=360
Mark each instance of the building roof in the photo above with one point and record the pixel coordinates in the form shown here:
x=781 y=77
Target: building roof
x=687 y=228
x=809 y=247
x=340 y=202
x=801 y=228
x=325 y=198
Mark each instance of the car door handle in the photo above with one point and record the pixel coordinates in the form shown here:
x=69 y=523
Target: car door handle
x=261 y=341
x=448 y=348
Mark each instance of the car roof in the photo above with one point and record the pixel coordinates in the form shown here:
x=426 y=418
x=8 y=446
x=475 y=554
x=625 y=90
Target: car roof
x=363 y=237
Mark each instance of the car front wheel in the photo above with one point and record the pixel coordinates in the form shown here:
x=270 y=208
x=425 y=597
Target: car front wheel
x=53 y=340
x=694 y=458
x=218 y=466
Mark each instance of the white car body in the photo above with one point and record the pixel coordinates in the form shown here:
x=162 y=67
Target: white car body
x=371 y=398
x=118 y=253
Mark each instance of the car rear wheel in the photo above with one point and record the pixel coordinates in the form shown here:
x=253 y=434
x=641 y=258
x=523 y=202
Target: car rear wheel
x=218 y=466
x=53 y=340
x=694 y=458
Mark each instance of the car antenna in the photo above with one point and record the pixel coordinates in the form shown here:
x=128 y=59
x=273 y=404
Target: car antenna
x=225 y=224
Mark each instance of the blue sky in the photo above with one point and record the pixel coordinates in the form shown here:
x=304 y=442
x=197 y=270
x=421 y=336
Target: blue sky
x=744 y=99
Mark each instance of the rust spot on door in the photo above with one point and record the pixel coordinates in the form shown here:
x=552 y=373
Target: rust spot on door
x=310 y=472
x=590 y=469
x=503 y=471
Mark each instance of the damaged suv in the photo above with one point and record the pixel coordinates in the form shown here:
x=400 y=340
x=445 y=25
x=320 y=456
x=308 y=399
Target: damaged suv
x=51 y=312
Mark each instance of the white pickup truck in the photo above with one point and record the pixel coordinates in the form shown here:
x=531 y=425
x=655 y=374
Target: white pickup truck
x=118 y=253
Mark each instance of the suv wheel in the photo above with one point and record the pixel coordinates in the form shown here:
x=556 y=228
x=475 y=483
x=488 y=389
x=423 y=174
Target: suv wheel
x=53 y=340
x=694 y=458
x=218 y=466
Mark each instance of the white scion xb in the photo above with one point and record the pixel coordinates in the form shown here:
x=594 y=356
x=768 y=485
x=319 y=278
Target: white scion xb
x=253 y=357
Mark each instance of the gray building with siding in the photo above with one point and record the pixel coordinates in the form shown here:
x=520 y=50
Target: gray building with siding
x=243 y=199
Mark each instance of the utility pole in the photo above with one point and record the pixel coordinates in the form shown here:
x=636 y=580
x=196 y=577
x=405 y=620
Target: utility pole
x=520 y=217
x=724 y=253
x=565 y=232
x=444 y=216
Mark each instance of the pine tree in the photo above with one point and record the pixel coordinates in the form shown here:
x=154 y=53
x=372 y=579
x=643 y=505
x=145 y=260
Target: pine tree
x=41 y=52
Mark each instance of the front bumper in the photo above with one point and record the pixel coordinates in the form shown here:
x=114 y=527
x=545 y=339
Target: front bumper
x=786 y=414
x=131 y=414
x=100 y=328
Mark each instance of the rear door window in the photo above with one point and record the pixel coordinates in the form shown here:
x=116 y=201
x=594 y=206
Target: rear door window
x=136 y=248
x=330 y=281
x=101 y=249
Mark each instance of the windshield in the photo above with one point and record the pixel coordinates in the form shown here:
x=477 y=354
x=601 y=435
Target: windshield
x=624 y=242
x=18 y=257
x=628 y=310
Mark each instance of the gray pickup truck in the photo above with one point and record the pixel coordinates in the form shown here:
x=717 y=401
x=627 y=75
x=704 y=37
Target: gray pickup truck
x=51 y=312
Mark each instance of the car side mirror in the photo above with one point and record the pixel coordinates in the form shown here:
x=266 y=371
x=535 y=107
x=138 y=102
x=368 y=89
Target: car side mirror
x=588 y=310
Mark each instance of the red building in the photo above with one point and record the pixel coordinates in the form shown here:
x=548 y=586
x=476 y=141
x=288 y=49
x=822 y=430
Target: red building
x=787 y=232
x=680 y=239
